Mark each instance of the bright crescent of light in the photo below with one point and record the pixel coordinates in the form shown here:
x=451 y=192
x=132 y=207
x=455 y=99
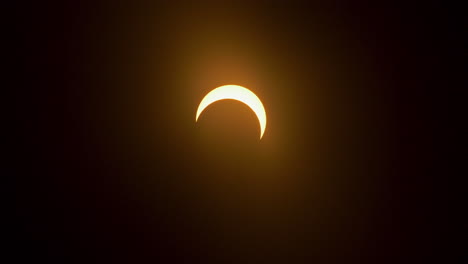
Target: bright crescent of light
x=238 y=93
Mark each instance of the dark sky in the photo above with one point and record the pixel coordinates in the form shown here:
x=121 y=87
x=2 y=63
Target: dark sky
x=112 y=166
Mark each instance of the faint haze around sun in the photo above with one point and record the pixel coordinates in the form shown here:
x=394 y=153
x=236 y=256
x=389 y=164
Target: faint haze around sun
x=117 y=167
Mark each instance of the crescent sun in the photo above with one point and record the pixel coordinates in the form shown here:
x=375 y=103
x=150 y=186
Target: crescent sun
x=239 y=93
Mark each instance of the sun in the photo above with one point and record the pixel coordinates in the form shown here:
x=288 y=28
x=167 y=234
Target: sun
x=239 y=93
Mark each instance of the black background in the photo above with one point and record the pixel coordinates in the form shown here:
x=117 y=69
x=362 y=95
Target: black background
x=112 y=166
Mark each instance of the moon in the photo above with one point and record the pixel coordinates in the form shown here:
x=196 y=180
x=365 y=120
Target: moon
x=239 y=93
